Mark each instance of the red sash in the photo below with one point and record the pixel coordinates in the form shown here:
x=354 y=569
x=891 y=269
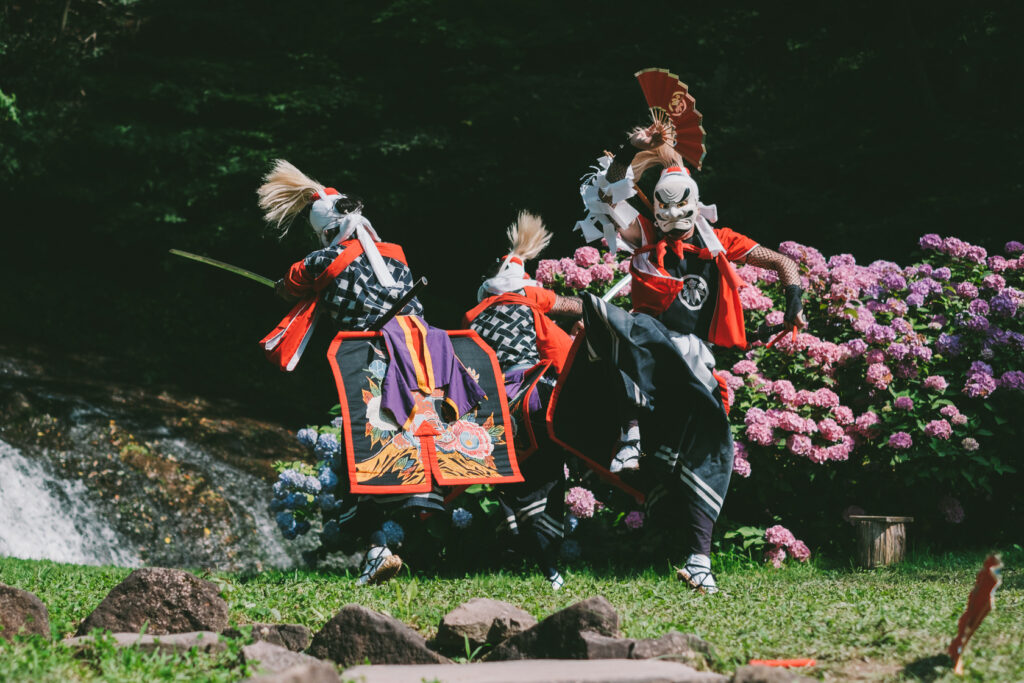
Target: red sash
x=654 y=293
x=553 y=343
x=285 y=344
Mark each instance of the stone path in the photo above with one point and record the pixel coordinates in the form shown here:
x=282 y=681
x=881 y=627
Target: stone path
x=536 y=671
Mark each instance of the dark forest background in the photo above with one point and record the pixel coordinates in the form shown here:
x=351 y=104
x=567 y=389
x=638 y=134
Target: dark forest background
x=130 y=127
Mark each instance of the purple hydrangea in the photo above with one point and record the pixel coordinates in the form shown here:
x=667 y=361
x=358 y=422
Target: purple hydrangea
x=1013 y=247
x=930 y=241
x=901 y=441
x=634 y=520
x=904 y=403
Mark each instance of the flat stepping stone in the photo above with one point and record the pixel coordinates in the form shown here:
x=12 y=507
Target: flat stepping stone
x=269 y=658
x=173 y=643
x=536 y=671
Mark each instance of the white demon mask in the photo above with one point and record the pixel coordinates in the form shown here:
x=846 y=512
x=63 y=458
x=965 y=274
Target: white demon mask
x=676 y=206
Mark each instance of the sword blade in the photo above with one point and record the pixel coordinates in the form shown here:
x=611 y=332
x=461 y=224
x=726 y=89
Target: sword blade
x=611 y=294
x=225 y=266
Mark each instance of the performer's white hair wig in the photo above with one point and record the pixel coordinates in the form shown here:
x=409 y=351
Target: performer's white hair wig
x=285 y=192
x=657 y=145
x=527 y=237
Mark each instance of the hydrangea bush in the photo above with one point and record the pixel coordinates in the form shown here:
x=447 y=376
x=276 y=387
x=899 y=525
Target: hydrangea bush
x=901 y=394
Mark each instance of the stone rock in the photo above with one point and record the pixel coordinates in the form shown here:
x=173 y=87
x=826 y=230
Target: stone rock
x=767 y=674
x=606 y=647
x=357 y=634
x=273 y=658
x=560 y=635
x=22 y=612
x=172 y=643
x=483 y=622
x=537 y=671
x=295 y=637
x=313 y=672
x=674 y=646
x=170 y=600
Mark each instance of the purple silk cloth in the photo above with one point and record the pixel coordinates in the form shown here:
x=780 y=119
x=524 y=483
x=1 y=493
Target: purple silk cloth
x=514 y=383
x=397 y=392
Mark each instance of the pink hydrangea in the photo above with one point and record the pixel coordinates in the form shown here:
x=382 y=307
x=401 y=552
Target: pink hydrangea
x=798 y=550
x=879 y=375
x=586 y=257
x=578 y=278
x=824 y=398
x=799 y=444
x=741 y=466
x=601 y=273
x=744 y=367
x=936 y=383
x=779 y=535
x=843 y=415
x=753 y=299
x=776 y=556
x=939 y=429
x=581 y=501
x=547 y=269
x=831 y=430
x=970 y=445
x=634 y=520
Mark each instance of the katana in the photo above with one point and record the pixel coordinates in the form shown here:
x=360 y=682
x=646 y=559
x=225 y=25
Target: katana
x=225 y=266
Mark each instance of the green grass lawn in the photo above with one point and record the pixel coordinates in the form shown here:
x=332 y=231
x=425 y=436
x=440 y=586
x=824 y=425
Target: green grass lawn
x=892 y=623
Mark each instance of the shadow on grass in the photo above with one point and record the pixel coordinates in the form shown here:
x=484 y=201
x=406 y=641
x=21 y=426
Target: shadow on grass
x=928 y=668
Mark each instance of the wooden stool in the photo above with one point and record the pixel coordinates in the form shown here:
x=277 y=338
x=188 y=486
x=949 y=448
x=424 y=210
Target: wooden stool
x=881 y=539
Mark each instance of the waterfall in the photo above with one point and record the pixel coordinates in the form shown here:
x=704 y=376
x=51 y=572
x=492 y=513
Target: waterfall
x=43 y=517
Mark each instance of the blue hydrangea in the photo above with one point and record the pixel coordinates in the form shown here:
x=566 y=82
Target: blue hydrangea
x=293 y=479
x=328 y=503
x=571 y=522
x=461 y=518
x=393 y=533
x=378 y=368
x=331 y=534
x=310 y=484
x=280 y=489
x=302 y=528
x=328 y=479
x=338 y=422
x=291 y=532
x=307 y=437
x=296 y=501
x=276 y=504
x=571 y=549
x=285 y=520
x=327 y=446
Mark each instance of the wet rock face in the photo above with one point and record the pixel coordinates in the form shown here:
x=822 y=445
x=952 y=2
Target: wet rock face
x=481 y=621
x=170 y=600
x=183 y=481
x=560 y=636
x=357 y=634
x=22 y=613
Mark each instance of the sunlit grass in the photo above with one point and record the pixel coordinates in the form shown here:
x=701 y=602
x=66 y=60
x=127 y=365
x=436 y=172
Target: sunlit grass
x=892 y=623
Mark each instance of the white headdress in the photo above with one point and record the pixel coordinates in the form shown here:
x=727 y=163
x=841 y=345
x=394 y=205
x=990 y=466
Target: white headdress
x=607 y=208
x=527 y=237
x=286 y=192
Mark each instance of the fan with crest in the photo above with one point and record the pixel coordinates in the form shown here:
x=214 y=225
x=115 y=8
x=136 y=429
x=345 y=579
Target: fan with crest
x=671 y=104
